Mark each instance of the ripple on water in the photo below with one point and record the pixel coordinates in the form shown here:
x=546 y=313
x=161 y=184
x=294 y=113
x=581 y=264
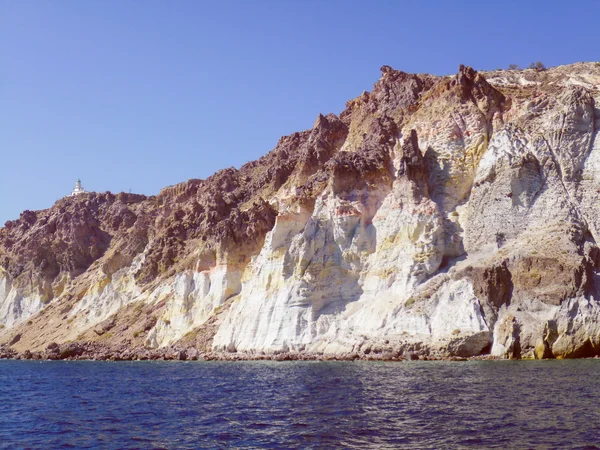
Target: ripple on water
x=478 y=404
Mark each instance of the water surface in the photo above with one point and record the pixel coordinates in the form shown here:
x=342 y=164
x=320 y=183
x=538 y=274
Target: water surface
x=475 y=404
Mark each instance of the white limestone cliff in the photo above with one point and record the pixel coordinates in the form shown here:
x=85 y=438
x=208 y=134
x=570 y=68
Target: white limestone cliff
x=473 y=230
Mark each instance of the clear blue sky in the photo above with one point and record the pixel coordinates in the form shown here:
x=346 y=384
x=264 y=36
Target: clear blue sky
x=143 y=94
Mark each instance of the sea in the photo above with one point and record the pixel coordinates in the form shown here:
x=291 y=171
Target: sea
x=300 y=405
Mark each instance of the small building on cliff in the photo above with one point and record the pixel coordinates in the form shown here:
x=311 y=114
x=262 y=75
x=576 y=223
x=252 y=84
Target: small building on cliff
x=78 y=188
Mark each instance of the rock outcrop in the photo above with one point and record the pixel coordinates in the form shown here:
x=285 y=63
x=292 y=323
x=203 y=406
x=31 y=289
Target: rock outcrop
x=447 y=216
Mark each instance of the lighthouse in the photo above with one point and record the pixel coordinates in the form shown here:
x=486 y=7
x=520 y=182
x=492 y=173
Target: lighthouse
x=78 y=188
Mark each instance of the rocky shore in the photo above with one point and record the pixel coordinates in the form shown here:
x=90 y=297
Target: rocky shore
x=95 y=352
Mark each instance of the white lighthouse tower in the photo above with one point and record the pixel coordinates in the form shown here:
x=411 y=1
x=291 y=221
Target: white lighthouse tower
x=78 y=188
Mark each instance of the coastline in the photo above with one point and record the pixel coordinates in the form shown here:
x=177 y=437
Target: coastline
x=92 y=352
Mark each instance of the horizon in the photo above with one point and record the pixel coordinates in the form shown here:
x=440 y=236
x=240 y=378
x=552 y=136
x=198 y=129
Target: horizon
x=191 y=90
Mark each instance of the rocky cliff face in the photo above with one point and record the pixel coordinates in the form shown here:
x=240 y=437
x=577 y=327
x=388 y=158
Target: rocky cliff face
x=441 y=216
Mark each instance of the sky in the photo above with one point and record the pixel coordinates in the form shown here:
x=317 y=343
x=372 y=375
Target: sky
x=139 y=95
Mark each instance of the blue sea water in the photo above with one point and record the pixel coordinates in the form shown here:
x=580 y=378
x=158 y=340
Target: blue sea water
x=428 y=405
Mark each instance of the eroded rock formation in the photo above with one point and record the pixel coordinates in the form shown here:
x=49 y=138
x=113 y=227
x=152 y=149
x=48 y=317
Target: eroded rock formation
x=440 y=216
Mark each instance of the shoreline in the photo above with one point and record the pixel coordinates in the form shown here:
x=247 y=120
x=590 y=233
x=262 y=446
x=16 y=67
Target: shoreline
x=92 y=352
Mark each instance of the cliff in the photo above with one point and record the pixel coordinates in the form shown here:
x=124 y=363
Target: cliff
x=436 y=216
